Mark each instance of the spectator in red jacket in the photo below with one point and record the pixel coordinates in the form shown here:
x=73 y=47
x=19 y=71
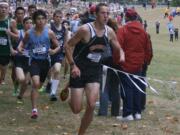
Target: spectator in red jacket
x=136 y=45
x=170 y=18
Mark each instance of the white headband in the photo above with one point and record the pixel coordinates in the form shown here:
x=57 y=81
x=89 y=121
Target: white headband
x=4 y=3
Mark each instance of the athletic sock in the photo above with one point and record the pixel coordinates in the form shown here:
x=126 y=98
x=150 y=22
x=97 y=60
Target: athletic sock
x=34 y=110
x=54 y=86
x=16 y=86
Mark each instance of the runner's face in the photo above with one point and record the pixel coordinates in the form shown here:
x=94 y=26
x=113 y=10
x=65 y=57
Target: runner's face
x=28 y=24
x=58 y=18
x=66 y=25
x=31 y=11
x=4 y=9
x=103 y=15
x=20 y=14
x=40 y=21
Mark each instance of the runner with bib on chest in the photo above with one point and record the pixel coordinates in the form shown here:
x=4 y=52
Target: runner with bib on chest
x=7 y=31
x=39 y=40
x=89 y=42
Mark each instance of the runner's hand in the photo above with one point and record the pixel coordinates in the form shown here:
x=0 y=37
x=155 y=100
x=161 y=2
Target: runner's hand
x=13 y=52
x=75 y=71
x=122 y=56
x=20 y=50
x=51 y=51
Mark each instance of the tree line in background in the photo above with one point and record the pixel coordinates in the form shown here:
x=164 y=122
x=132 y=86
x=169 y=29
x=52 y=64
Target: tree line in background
x=176 y=2
x=173 y=2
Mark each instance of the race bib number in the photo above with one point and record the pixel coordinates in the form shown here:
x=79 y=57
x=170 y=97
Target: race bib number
x=41 y=50
x=26 y=53
x=95 y=57
x=3 y=41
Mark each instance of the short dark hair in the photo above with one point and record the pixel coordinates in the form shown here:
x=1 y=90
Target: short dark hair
x=32 y=6
x=65 y=21
x=19 y=8
x=38 y=13
x=99 y=6
x=57 y=12
x=26 y=19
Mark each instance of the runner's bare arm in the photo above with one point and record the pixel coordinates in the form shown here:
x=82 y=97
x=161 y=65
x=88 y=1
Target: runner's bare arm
x=54 y=43
x=116 y=46
x=13 y=32
x=66 y=37
x=21 y=45
x=79 y=36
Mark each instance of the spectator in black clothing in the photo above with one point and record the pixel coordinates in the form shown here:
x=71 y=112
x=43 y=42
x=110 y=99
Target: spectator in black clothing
x=144 y=5
x=157 y=27
x=168 y=4
x=144 y=73
x=111 y=91
x=145 y=25
x=176 y=33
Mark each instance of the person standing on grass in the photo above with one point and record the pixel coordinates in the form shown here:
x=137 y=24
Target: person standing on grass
x=145 y=25
x=111 y=90
x=157 y=27
x=171 y=34
x=136 y=45
x=144 y=5
x=176 y=34
x=7 y=30
x=39 y=39
x=144 y=73
x=89 y=41
x=168 y=4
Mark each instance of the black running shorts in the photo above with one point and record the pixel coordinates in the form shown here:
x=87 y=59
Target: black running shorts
x=4 y=60
x=22 y=62
x=89 y=74
x=40 y=68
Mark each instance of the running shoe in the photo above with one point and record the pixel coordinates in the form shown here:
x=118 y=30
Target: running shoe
x=48 y=87
x=19 y=100
x=34 y=115
x=41 y=90
x=53 y=98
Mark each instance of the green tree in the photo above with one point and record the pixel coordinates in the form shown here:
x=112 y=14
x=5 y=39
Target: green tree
x=176 y=2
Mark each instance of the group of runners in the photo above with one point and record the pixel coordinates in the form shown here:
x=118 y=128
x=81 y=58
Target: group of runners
x=38 y=46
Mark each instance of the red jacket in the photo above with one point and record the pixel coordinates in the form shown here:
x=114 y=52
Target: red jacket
x=136 y=45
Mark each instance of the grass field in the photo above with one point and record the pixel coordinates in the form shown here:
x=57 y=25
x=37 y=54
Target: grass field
x=162 y=116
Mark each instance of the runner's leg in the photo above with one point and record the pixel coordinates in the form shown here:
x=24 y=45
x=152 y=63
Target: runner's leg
x=92 y=91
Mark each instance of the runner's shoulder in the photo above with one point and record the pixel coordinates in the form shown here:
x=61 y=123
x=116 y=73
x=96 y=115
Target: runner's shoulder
x=83 y=29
